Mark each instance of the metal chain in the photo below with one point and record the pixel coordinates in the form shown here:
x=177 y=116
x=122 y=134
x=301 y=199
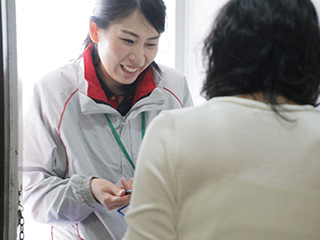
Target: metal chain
x=20 y=217
x=21 y=224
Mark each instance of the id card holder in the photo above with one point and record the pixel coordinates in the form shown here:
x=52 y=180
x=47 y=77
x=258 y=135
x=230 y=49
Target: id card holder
x=123 y=209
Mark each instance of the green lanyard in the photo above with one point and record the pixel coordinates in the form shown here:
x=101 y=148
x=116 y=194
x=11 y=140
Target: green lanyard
x=143 y=126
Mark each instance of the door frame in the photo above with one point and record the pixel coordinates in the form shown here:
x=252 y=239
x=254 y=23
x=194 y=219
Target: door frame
x=9 y=126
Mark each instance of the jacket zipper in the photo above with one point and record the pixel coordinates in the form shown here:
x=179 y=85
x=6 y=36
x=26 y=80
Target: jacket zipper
x=122 y=124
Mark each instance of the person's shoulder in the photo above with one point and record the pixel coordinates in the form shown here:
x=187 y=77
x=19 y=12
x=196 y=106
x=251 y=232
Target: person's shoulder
x=63 y=77
x=58 y=85
x=169 y=74
x=186 y=113
x=171 y=79
x=169 y=70
x=67 y=71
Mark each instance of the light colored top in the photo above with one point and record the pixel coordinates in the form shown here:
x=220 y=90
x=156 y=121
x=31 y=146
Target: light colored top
x=228 y=169
x=67 y=141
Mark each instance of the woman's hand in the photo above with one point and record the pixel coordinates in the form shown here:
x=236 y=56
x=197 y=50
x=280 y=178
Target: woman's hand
x=109 y=195
x=127 y=185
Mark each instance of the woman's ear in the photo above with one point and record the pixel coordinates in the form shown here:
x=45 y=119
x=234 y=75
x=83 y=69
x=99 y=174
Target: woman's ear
x=93 y=31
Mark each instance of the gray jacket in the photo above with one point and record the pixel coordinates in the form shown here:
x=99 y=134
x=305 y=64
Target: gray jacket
x=67 y=141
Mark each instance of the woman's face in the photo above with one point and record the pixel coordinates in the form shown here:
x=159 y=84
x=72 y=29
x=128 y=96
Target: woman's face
x=125 y=49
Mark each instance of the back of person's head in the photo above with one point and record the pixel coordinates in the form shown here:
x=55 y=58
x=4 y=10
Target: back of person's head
x=268 y=46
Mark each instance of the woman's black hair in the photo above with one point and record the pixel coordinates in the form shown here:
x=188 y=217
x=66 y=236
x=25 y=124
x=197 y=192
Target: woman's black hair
x=268 y=46
x=108 y=12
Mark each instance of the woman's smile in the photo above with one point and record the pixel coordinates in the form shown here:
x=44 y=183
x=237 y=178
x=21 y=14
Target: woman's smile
x=125 y=50
x=129 y=69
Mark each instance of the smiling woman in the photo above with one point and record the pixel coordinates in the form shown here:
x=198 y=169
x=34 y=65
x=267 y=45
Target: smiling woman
x=60 y=40
x=125 y=50
x=87 y=119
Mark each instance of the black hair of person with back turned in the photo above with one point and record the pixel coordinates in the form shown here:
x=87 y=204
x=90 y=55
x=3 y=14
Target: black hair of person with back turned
x=108 y=12
x=271 y=47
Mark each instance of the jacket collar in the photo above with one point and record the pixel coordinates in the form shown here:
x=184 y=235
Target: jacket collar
x=144 y=87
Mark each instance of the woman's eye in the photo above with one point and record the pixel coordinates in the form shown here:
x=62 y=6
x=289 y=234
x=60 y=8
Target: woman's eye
x=151 y=44
x=127 y=40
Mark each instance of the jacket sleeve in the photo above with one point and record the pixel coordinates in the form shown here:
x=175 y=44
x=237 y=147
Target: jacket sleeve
x=153 y=208
x=49 y=195
x=187 y=99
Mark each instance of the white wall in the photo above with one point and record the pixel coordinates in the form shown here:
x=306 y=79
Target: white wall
x=316 y=3
x=199 y=17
